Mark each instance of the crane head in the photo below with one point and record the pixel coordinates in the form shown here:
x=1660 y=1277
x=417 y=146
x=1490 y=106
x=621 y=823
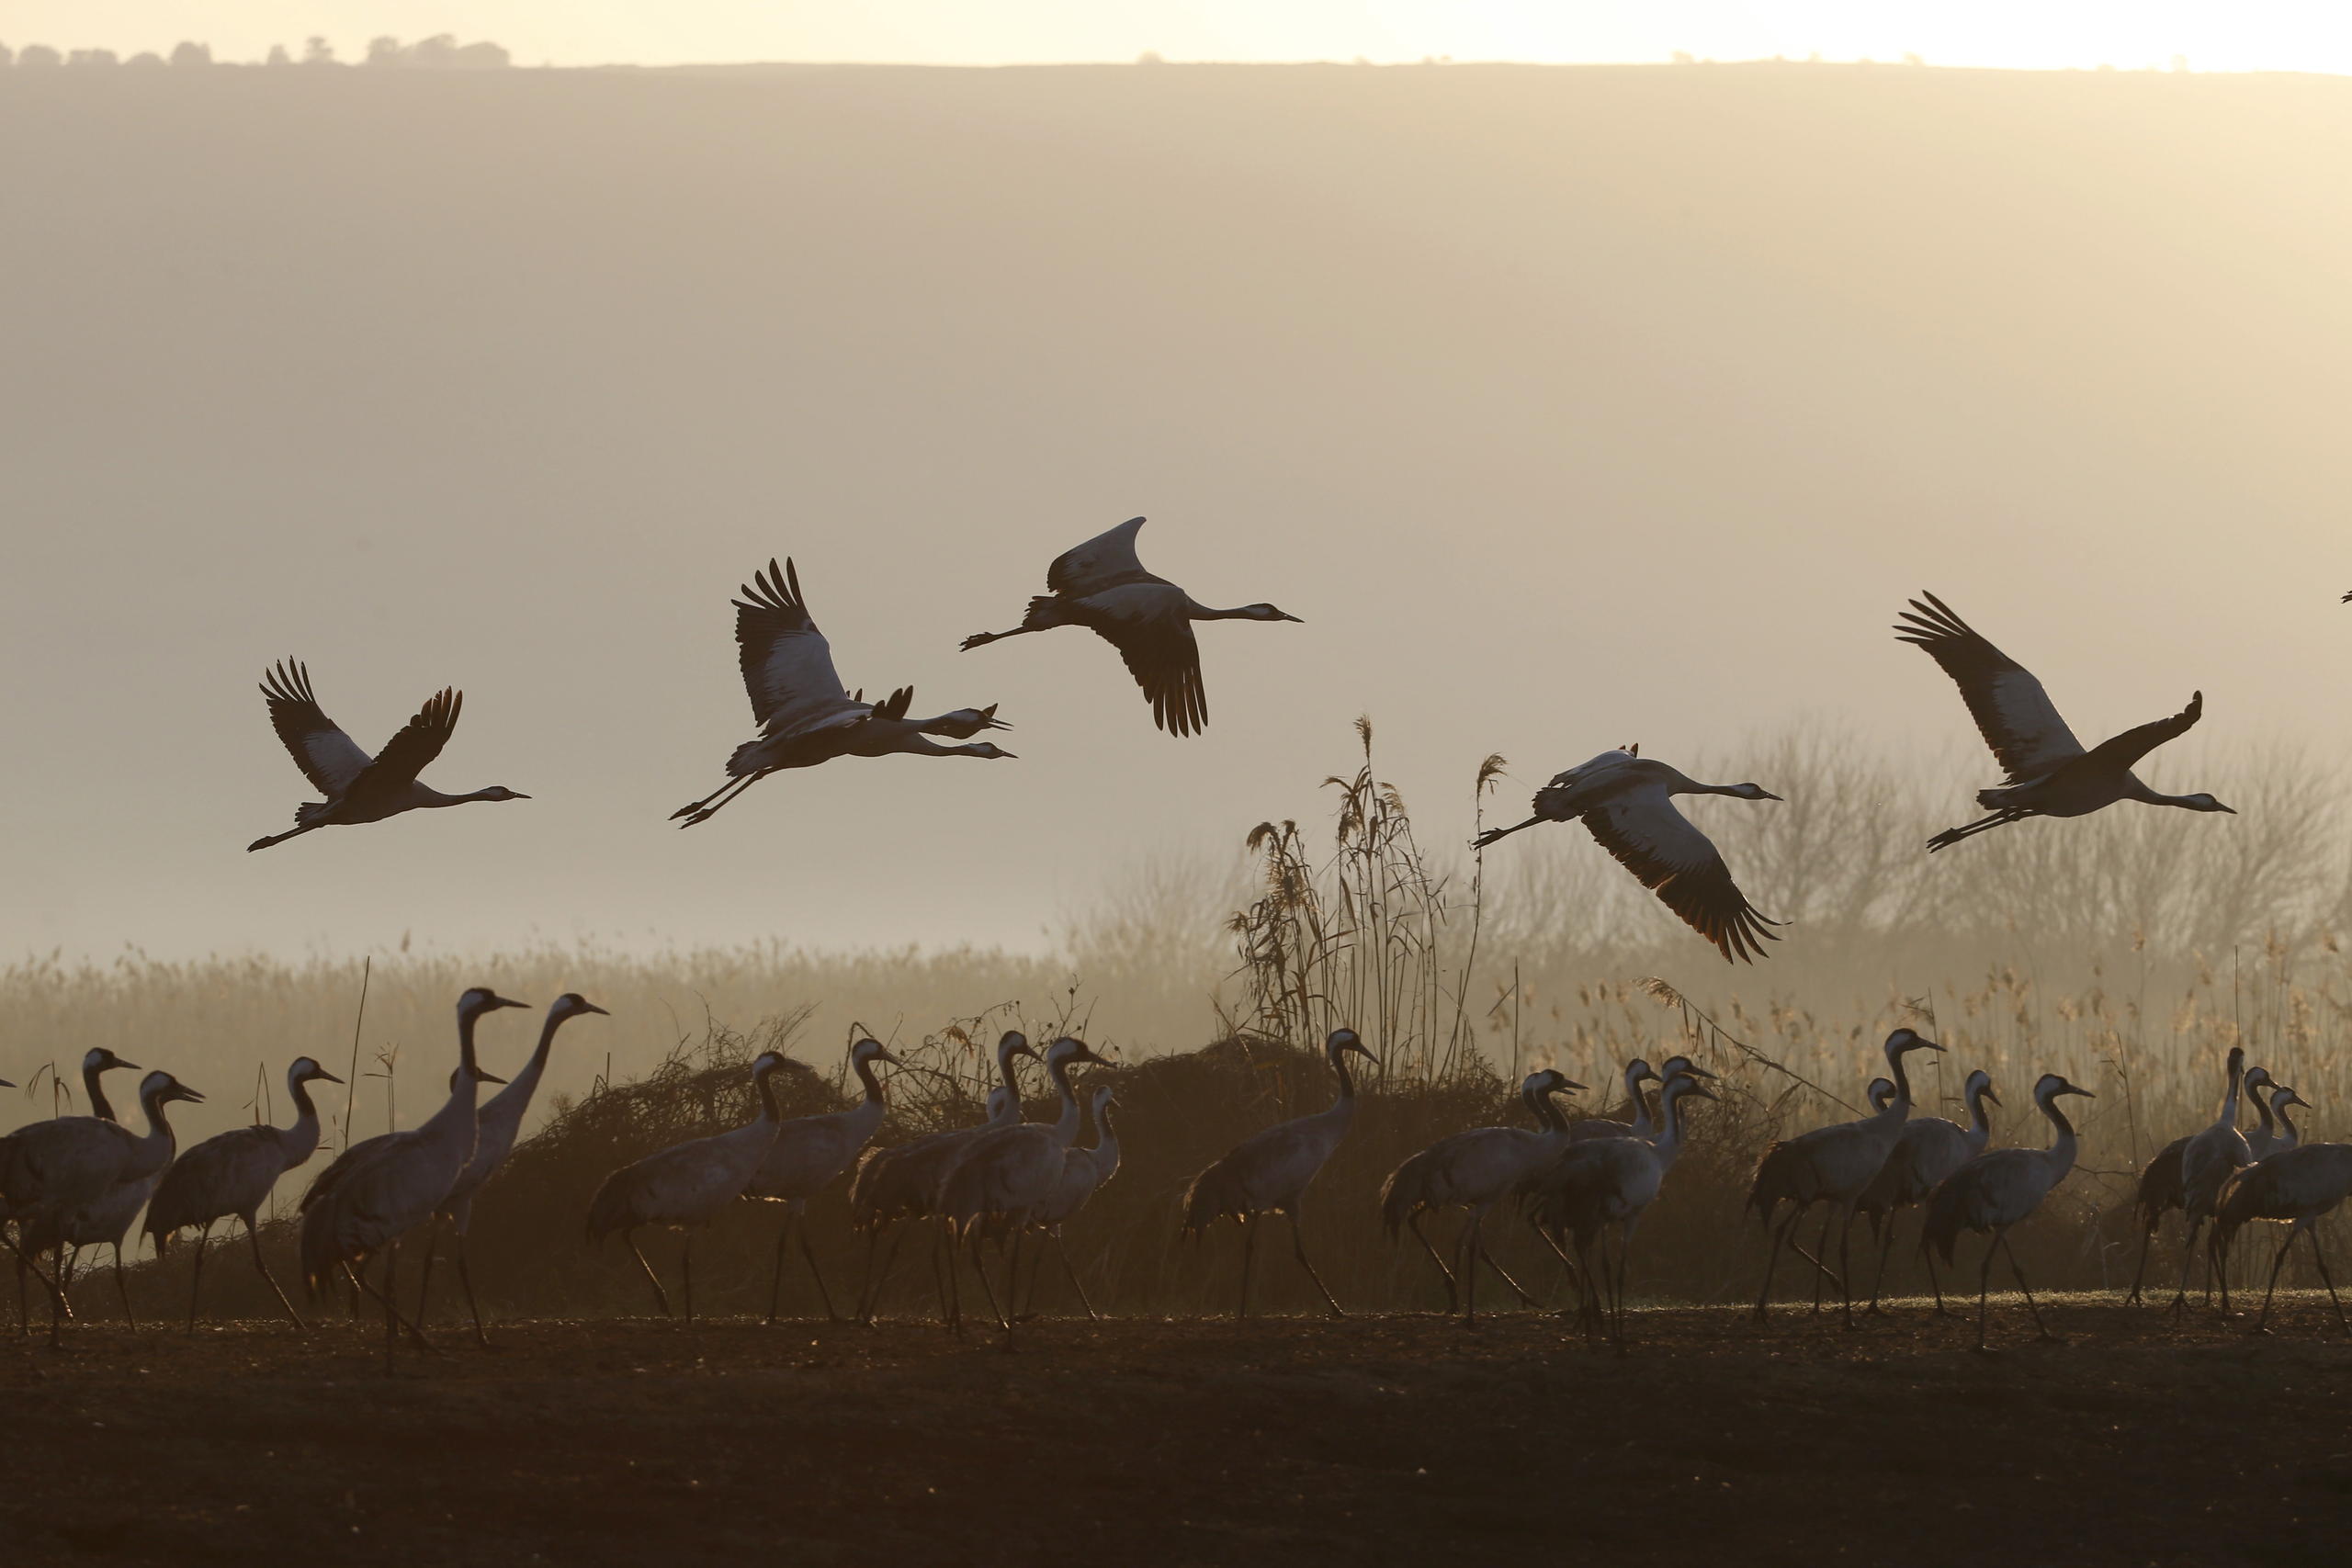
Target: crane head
x=161 y=1089
x=571 y=1003
x=872 y=1050
x=2053 y=1085
x=1683 y=1067
x=1904 y=1040
x=1344 y=1040
x=1980 y=1082
x=306 y=1069
x=98 y=1059
x=482 y=1000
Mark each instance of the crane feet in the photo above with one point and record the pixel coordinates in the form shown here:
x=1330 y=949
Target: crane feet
x=1874 y=1310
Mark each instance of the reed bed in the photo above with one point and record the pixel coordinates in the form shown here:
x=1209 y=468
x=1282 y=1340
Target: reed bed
x=2129 y=950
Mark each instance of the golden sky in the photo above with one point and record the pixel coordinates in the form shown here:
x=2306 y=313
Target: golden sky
x=2266 y=35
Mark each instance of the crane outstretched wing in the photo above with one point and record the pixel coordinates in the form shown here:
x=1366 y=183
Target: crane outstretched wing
x=2012 y=712
x=787 y=665
x=328 y=758
x=412 y=751
x=1682 y=866
x=1105 y=560
x=1165 y=660
x=2136 y=742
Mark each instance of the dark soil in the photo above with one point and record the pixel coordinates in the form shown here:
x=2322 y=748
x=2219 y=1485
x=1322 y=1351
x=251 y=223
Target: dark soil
x=1389 y=1439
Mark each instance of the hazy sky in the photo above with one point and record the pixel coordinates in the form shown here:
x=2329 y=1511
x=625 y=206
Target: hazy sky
x=1566 y=408
x=2270 y=35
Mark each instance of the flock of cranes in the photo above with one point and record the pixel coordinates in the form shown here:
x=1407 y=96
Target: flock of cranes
x=1584 y=1186
x=806 y=715
x=77 y=1182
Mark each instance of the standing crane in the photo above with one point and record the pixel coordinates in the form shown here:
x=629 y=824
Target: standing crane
x=1005 y=1173
x=1997 y=1190
x=1626 y=802
x=2049 y=774
x=64 y=1176
x=894 y=1186
x=805 y=715
x=807 y=1154
x=2303 y=1185
x=1930 y=1148
x=360 y=788
x=96 y=1062
x=1085 y=1172
x=232 y=1174
x=1474 y=1171
x=1606 y=1181
x=374 y=1194
x=1101 y=586
x=2206 y=1161
x=496 y=1126
x=685 y=1185
x=1269 y=1172
x=1832 y=1166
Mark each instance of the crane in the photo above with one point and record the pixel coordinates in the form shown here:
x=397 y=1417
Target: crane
x=1474 y=1171
x=1085 y=1172
x=807 y=1154
x=232 y=1174
x=1606 y=1181
x=1833 y=1165
x=2049 y=774
x=1626 y=802
x=1930 y=1150
x=2288 y=1137
x=2206 y=1161
x=685 y=1185
x=805 y=715
x=64 y=1177
x=896 y=1185
x=1005 y=1173
x=1269 y=1172
x=2258 y=1085
x=2303 y=1185
x=1101 y=586
x=360 y=788
x=1997 y=1190
x=375 y=1193
x=496 y=1126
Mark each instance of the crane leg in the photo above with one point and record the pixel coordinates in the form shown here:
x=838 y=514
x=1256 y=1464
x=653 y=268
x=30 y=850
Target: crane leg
x=2319 y=1256
x=775 y=1277
x=1470 y=1272
x=1878 y=1282
x=392 y=1311
x=195 y=1277
x=1822 y=1246
x=1936 y=1285
x=2147 y=1236
x=122 y=1290
x=1452 y=1294
x=357 y=1275
x=473 y=1306
x=870 y=1294
x=2217 y=1263
x=2262 y=1321
x=2042 y=1329
x=652 y=1279
x=1625 y=1253
x=1846 y=1268
x=1074 y=1283
x=1771 y=1261
x=424 y=1285
x=816 y=1275
x=1984 y=1289
x=2187 y=1261
x=1249 y=1258
x=1298 y=1246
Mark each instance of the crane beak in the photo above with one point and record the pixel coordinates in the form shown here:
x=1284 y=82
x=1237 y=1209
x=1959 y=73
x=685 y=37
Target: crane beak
x=181 y=1091
x=1691 y=1070
x=325 y=1076
x=497 y=1001
x=480 y=1077
x=587 y=1006
x=884 y=1056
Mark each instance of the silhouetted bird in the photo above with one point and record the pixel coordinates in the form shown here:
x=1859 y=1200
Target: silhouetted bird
x=360 y=788
x=1101 y=586
x=1626 y=802
x=806 y=714
x=2049 y=774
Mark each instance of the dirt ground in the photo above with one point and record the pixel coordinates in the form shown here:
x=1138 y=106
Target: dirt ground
x=1386 y=1440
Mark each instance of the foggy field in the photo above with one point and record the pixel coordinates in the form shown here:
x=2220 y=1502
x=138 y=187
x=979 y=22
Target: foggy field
x=1392 y=1440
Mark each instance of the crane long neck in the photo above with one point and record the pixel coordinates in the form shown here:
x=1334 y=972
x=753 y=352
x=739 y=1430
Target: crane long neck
x=2229 y=1117
x=100 y=1107
x=302 y=1138
x=1899 y=1108
x=873 y=1085
x=1073 y=1116
x=1346 y=1097
x=2060 y=1154
x=2288 y=1137
x=2262 y=1109
x=1004 y=1075
x=1980 y=1125
x=1106 y=1146
x=760 y=1080
x=159 y=1128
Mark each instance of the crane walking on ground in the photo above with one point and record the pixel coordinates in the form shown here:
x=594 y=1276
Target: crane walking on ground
x=1931 y=1148
x=232 y=1175
x=1995 y=1191
x=807 y=1154
x=1270 y=1172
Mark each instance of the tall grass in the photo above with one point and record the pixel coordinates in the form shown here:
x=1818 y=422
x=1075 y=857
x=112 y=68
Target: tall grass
x=2129 y=950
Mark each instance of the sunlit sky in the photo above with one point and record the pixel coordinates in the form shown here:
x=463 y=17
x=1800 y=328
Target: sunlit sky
x=2250 y=35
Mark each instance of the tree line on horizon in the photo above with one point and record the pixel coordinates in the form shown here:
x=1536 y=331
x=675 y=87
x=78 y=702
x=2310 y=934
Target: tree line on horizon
x=441 y=51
